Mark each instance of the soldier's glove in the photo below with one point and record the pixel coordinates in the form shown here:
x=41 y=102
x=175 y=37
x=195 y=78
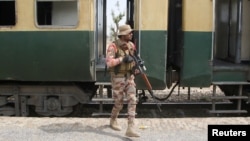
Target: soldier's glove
x=128 y=59
x=135 y=70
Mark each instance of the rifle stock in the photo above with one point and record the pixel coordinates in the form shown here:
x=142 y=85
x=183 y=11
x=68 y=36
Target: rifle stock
x=145 y=79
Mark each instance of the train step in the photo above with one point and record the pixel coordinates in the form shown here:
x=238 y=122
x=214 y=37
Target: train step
x=228 y=97
x=107 y=114
x=227 y=111
x=239 y=97
x=231 y=83
x=107 y=100
x=103 y=83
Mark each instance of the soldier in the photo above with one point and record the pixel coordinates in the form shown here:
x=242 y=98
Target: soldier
x=120 y=64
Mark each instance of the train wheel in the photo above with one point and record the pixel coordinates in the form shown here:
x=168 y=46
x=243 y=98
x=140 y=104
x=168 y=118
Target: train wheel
x=76 y=112
x=6 y=108
x=52 y=106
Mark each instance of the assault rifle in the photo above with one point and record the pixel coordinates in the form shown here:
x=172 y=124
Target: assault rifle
x=139 y=65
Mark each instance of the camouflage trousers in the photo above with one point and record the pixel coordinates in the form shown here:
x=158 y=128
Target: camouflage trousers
x=124 y=87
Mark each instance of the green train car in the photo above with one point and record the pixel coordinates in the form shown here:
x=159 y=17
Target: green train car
x=52 y=51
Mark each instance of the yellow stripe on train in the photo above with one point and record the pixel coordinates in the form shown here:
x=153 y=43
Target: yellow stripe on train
x=197 y=15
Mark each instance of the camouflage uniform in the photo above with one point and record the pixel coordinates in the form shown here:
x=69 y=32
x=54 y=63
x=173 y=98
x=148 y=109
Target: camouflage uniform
x=121 y=64
x=122 y=80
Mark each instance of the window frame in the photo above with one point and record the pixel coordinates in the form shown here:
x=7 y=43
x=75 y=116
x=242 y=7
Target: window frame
x=56 y=26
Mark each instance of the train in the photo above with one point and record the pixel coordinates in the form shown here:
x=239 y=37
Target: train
x=52 y=51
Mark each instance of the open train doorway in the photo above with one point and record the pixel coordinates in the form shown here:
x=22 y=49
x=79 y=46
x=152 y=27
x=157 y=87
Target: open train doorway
x=232 y=31
x=117 y=14
x=231 y=39
x=110 y=14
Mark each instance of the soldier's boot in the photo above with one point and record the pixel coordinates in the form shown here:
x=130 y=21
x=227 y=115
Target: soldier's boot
x=113 y=120
x=114 y=124
x=131 y=130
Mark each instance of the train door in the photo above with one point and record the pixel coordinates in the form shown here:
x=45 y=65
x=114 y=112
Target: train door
x=100 y=9
x=231 y=40
x=245 y=42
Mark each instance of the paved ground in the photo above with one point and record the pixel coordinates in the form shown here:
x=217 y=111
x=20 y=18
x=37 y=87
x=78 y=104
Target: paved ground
x=95 y=129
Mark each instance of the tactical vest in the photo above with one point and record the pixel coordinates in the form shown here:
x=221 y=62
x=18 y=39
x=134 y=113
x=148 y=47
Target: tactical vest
x=123 y=68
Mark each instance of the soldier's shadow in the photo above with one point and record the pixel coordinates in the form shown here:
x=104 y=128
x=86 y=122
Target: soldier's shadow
x=79 y=127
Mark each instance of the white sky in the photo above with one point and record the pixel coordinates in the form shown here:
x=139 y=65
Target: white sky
x=111 y=6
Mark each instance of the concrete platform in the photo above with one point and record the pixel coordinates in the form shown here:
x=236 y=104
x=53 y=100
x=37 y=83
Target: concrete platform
x=97 y=129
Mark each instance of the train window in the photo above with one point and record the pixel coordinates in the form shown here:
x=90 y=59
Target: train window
x=57 y=13
x=7 y=13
